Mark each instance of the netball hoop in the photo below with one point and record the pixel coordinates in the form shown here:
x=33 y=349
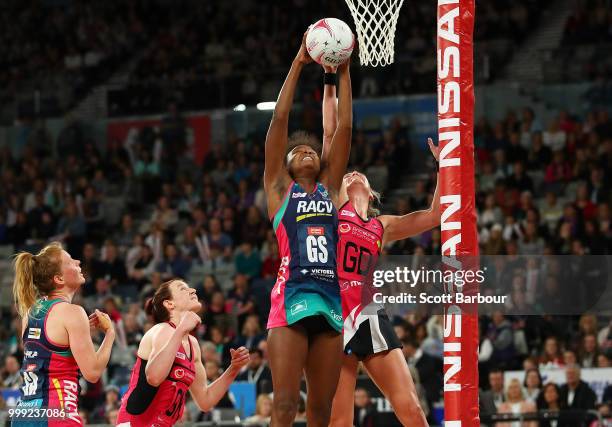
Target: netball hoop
x=375 y=22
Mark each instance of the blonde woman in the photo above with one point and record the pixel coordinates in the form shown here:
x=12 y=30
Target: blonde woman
x=263 y=411
x=516 y=404
x=56 y=336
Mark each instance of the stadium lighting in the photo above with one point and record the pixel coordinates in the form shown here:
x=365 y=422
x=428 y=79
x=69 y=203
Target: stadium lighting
x=266 y=105
x=240 y=107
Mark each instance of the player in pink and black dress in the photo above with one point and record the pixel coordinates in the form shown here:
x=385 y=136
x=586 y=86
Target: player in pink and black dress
x=56 y=338
x=169 y=363
x=305 y=320
x=369 y=337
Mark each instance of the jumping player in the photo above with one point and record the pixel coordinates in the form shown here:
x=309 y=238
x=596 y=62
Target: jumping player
x=56 y=337
x=370 y=338
x=169 y=363
x=305 y=320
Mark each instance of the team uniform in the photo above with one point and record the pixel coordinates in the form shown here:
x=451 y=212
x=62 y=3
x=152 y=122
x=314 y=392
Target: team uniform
x=50 y=375
x=306 y=289
x=144 y=405
x=367 y=328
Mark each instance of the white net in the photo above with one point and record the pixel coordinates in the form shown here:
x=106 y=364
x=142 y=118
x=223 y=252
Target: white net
x=375 y=21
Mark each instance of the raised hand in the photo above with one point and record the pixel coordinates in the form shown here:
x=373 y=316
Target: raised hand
x=101 y=321
x=303 y=56
x=189 y=321
x=240 y=358
x=435 y=150
x=329 y=68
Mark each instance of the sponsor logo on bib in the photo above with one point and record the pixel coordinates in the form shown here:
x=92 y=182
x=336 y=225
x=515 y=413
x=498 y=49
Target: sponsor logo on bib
x=34 y=333
x=316 y=231
x=299 y=307
x=344 y=228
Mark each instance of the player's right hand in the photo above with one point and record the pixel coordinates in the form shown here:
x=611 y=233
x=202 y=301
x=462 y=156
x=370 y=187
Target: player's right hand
x=189 y=321
x=101 y=321
x=303 y=56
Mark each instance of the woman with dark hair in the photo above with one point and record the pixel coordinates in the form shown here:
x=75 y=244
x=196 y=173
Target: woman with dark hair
x=169 y=363
x=56 y=335
x=549 y=400
x=305 y=321
x=532 y=384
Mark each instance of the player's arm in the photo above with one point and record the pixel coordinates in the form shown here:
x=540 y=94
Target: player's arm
x=275 y=174
x=404 y=226
x=330 y=113
x=164 y=346
x=91 y=362
x=206 y=396
x=341 y=141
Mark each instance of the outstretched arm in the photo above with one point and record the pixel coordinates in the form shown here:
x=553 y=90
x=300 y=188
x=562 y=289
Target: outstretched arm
x=341 y=141
x=275 y=176
x=330 y=113
x=404 y=226
x=206 y=396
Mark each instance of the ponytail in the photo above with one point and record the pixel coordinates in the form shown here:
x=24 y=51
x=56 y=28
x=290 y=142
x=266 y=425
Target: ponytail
x=24 y=291
x=373 y=211
x=34 y=276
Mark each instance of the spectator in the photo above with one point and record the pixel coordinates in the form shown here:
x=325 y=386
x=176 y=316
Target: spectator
x=164 y=215
x=539 y=155
x=589 y=351
x=173 y=264
x=251 y=333
x=554 y=138
x=516 y=404
x=213 y=372
x=257 y=372
x=248 y=261
x=532 y=384
x=576 y=393
x=263 y=411
x=366 y=414
x=491 y=399
x=428 y=367
x=551 y=357
x=241 y=299
x=112 y=267
x=111 y=403
x=549 y=400
x=217 y=238
x=502 y=338
x=11 y=376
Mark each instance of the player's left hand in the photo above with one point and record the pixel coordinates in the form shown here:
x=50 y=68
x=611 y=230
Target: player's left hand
x=240 y=358
x=435 y=150
x=329 y=68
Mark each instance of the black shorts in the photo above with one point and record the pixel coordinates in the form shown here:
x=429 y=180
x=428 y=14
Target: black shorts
x=375 y=335
x=314 y=325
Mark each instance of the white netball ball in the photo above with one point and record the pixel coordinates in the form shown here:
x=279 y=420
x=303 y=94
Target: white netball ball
x=330 y=41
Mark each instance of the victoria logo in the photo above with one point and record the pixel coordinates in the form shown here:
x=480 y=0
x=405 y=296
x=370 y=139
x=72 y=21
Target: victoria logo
x=179 y=373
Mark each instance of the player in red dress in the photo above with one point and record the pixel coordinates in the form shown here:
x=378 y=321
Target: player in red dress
x=369 y=337
x=56 y=338
x=169 y=363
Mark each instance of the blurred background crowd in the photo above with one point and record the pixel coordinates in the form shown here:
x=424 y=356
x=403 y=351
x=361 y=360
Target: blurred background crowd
x=139 y=211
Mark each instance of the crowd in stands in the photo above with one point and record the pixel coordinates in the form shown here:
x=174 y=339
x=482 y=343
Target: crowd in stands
x=62 y=48
x=543 y=188
x=204 y=66
x=587 y=33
